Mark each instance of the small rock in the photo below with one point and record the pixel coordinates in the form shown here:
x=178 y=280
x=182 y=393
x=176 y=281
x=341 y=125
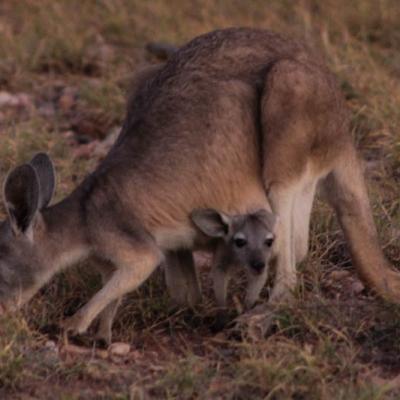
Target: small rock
x=357 y=287
x=50 y=345
x=8 y=99
x=103 y=354
x=15 y=100
x=119 y=349
x=71 y=348
x=339 y=275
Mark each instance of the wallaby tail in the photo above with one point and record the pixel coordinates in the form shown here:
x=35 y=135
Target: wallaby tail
x=348 y=195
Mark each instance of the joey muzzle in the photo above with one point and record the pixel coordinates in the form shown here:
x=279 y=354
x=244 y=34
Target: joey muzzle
x=257 y=266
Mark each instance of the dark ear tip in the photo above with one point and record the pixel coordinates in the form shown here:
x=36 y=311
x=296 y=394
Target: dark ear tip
x=19 y=177
x=21 y=195
x=44 y=168
x=24 y=171
x=41 y=158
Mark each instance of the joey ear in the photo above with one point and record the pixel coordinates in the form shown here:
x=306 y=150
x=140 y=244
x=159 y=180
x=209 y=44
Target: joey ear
x=21 y=197
x=211 y=222
x=268 y=218
x=45 y=171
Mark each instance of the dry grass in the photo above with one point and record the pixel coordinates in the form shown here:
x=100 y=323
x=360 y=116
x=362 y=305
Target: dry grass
x=334 y=343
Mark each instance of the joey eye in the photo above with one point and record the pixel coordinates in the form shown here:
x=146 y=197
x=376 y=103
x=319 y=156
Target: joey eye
x=268 y=242
x=240 y=242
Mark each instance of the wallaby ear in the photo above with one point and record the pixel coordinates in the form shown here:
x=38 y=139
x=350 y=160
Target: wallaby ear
x=21 y=197
x=47 y=178
x=211 y=222
x=268 y=218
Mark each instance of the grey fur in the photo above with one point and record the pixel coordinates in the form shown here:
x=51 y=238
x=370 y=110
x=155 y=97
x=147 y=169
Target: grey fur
x=232 y=115
x=242 y=241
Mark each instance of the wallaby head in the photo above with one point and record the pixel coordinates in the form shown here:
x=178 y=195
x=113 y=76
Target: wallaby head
x=27 y=190
x=243 y=240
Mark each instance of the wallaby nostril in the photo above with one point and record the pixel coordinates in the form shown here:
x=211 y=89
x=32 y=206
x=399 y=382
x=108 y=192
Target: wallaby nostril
x=257 y=265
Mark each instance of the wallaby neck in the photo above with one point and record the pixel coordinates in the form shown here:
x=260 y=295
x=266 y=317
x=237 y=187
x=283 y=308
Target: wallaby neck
x=64 y=240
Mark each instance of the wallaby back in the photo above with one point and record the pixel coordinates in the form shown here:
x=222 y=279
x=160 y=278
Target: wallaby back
x=230 y=115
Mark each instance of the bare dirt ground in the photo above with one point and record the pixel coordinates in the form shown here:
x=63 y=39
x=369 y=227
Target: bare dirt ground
x=65 y=69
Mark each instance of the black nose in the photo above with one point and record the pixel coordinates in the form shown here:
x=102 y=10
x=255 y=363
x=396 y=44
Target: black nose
x=257 y=265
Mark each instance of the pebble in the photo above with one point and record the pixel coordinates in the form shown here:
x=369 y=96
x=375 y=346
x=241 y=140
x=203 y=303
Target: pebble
x=15 y=100
x=50 y=345
x=119 y=349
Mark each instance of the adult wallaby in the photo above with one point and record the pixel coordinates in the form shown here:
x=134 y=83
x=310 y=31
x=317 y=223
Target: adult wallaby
x=232 y=116
x=243 y=241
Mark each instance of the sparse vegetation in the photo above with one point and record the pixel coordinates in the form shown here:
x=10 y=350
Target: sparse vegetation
x=64 y=73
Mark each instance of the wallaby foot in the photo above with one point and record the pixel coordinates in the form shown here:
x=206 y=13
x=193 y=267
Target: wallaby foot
x=134 y=266
x=75 y=324
x=255 y=324
x=104 y=330
x=106 y=318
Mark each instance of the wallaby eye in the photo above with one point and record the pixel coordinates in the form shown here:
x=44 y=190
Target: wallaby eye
x=240 y=242
x=268 y=242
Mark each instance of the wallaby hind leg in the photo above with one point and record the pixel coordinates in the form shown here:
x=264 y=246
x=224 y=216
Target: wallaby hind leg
x=181 y=278
x=288 y=132
x=134 y=264
x=106 y=317
x=302 y=207
x=291 y=94
x=285 y=280
x=346 y=191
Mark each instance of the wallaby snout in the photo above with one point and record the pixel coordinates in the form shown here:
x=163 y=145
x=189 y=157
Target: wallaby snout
x=27 y=247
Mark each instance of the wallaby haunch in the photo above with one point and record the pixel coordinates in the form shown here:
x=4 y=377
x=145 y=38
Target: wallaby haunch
x=243 y=241
x=233 y=116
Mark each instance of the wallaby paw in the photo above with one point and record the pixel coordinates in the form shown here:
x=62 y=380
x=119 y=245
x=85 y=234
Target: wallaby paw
x=103 y=339
x=253 y=325
x=75 y=332
x=102 y=343
x=74 y=325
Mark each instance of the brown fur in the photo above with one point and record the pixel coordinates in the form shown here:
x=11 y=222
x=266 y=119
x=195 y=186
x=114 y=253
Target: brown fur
x=232 y=114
